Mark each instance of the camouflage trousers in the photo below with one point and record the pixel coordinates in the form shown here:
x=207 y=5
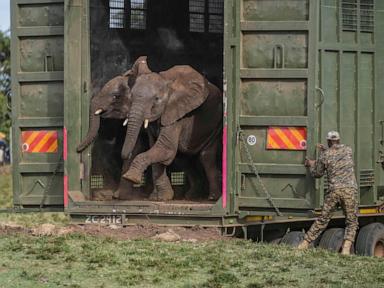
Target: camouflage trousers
x=346 y=197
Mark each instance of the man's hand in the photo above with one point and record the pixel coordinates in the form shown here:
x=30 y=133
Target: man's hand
x=309 y=162
x=321 y=147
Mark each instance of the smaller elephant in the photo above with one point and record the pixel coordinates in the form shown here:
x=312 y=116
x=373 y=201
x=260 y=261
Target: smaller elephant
x=113 y=102
x=184 y=113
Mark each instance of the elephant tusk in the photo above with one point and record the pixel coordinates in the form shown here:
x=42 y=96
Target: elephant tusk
x=146 y=121
x=125 y=122
x=98 y=111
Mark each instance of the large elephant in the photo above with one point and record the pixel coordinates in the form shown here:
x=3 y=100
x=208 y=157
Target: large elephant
x=114 y=102
x=184 y=112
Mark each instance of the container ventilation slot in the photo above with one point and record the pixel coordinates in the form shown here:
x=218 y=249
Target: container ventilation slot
x=367 y=178
x=134 y=15
x=216 y=10
x=197 y=15
x=138 y=14
x=116 y=14
x=97 y=182
x=178 y=178
x=206 y=16
x=367 y=18
x=354 y=10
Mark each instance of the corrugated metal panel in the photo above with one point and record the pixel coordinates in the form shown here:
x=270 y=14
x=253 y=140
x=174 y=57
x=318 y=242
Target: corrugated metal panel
x=347 y=76
x=276 y=76
x=37 y=102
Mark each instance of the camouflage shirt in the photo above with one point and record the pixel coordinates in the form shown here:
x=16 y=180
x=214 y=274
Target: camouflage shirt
x=338 y=162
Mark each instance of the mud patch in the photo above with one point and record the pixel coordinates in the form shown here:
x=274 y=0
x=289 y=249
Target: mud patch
x=192 y=234
x=158 y=233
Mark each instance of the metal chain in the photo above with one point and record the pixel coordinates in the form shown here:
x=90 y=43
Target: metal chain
x=50 y=181
x=254 y=170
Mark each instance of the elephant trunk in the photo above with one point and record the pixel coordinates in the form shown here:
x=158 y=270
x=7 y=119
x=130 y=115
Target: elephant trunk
x=94 y=125
x=135 y=120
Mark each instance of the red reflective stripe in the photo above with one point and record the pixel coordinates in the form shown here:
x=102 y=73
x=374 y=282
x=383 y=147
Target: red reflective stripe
x=224 y=168
x=65 y=144
x=292 y=138
x=272 y=133
x=65 y=191
x=25 y=135
x=49 y=142
x=37 y=140
x=303 y=132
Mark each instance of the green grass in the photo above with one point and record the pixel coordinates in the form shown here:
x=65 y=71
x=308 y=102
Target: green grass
x=78 y=260
x=5 y=190
x=85 y=261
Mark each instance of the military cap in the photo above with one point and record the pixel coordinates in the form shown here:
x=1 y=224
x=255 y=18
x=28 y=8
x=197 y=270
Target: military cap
x=333 y=135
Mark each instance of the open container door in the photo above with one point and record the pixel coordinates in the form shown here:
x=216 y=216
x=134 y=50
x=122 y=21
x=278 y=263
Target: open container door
x=104 y=38
x=37 y=103
x=352 y=41
x=274 y=58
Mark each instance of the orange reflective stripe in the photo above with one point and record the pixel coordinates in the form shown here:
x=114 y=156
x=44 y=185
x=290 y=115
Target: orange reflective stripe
x=272 y=143
x=41 y=142
x=31 y=137
x=297 y=134
x=53 y=147
x=285 y=139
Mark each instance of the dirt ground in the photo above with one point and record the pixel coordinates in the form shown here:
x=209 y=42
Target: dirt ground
x=174 y=234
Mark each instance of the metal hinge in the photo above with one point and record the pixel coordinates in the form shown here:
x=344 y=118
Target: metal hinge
x=85 y=90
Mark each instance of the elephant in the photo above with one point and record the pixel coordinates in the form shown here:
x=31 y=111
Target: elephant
x=113 y=102
x=184 y=111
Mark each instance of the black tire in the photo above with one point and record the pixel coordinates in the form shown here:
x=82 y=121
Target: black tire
x=332 y=239
x=293 y=238
x=370 y=241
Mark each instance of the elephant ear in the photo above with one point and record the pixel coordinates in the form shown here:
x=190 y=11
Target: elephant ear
x=188 y=90
x=140 y=67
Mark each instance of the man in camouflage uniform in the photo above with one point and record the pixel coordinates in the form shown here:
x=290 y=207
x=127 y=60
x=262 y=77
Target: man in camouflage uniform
x=337 y=162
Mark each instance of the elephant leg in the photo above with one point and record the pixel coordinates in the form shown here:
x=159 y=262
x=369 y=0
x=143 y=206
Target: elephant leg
x=125 y=189
x=194 y=180
x=162 y=186
x=163 y=189
x=208 y=158
x=163 y=152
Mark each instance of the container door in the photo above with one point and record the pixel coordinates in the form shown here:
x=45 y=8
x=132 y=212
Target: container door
x=273 y=49
x=348 y=50
x=37 y=103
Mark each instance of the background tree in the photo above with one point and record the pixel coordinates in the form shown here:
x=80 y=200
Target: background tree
x=5 y=83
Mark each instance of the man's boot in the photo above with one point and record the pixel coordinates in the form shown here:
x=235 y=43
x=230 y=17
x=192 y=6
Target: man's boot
x=303 y=245
x=347 y=245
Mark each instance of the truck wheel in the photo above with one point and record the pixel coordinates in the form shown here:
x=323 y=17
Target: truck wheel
x=293 y=238
x=370 y=241
x=333 y=239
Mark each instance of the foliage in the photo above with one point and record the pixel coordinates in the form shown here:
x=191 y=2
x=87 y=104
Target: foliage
x=5 y=82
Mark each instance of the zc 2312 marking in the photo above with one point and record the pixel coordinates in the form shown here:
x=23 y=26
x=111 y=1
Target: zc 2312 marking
x=104 y=219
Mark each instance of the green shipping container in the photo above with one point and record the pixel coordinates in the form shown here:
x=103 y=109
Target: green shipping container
x=293 y=70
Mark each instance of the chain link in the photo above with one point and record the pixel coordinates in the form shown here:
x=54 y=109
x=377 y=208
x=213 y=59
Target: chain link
x=254 y=170
x=50 y=181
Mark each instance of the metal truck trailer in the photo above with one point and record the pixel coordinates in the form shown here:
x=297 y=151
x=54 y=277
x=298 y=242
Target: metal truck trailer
x=293 y=70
